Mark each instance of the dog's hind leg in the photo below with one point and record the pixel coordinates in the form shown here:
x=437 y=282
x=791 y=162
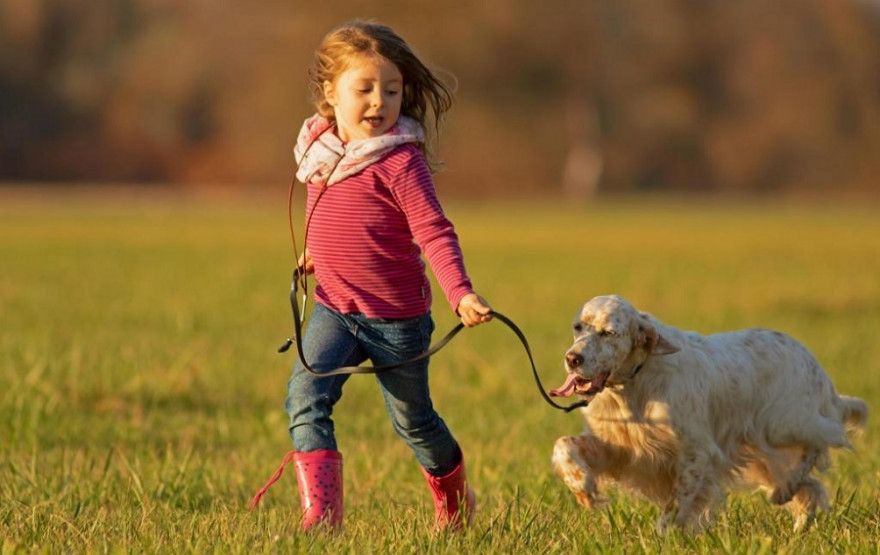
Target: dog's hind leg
x=810 y=497
x=791 y=483
x=569 y=461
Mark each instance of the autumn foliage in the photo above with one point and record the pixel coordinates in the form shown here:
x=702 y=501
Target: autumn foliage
x=582 y=96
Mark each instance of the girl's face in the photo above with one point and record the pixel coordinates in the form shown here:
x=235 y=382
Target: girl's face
x=366 y=98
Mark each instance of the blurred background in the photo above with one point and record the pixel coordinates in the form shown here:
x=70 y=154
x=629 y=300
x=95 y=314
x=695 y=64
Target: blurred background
x=576 y=97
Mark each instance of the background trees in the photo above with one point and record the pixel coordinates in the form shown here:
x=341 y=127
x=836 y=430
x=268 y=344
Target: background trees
x=574 y=95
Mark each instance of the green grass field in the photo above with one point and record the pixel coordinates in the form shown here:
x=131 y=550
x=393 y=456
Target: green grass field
x=141 y=397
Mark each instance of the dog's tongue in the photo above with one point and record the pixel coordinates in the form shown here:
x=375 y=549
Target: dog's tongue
x=566 y=389
x=597 y=384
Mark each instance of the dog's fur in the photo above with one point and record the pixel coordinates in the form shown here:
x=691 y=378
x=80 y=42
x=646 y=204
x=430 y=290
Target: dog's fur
x=680 y=417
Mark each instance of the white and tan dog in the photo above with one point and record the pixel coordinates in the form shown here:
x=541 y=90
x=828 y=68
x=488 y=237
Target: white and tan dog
x=680 y=417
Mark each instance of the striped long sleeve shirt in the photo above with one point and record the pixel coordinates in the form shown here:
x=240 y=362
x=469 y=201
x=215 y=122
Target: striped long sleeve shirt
x=367 y=234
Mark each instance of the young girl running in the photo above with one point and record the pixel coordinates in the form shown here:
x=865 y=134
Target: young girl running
x=371 y=214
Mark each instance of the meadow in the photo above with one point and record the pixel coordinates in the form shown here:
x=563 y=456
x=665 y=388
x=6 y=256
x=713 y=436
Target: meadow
x=141 y=397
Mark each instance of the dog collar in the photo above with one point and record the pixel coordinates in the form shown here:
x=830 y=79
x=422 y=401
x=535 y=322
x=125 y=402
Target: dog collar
x=629 y=379
x=636 y=371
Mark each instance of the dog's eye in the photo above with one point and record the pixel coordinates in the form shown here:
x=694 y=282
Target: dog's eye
x=578 y=327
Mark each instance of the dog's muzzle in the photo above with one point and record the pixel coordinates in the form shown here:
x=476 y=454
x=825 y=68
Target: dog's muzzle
x=576 y=383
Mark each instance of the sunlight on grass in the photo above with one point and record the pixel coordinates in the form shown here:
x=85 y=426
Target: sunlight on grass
x=141 y=398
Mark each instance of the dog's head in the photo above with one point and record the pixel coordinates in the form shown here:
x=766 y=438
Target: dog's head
x=611 y=340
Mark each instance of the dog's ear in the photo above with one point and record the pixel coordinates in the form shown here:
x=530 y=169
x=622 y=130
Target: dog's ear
x=652 y=342
x=664 y=347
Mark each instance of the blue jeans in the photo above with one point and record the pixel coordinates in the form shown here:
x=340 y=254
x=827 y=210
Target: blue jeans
x=333 y=340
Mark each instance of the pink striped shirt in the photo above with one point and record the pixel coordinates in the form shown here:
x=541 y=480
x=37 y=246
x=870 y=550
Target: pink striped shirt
x=367 y=234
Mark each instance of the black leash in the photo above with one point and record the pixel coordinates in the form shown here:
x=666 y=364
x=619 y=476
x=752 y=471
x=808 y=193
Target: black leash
x=297 y=320
x=297 y=328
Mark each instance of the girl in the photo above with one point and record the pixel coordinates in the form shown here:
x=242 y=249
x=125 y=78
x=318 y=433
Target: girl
x=371 y=213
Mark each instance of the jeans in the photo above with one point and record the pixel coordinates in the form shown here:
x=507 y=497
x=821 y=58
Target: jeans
x=333 y=340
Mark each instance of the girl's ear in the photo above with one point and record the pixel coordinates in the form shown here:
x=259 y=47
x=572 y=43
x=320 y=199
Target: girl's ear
x=330 y=93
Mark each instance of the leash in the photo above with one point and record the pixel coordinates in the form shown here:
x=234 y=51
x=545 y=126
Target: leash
x=297 y=329
x=299 y=278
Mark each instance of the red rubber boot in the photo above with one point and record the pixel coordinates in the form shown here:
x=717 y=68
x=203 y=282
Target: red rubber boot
x=454 y=502
x=319 y=477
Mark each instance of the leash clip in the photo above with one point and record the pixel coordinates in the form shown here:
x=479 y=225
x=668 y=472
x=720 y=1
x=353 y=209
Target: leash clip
x=286 y=345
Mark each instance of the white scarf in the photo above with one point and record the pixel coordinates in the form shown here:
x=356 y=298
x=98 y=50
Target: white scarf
x=323 y=157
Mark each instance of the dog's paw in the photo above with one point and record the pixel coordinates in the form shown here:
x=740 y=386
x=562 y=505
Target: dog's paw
x=662 y=524
x=780 y=496
x=804 y=522
x=589 y=500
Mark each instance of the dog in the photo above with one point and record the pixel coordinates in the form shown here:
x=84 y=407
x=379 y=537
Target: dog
x=682 y=418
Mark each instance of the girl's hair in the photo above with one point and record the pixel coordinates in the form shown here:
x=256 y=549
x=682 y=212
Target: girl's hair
x=421 y=88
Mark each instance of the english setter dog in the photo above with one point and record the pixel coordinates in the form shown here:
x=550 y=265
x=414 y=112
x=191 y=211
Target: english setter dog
x=681 y=417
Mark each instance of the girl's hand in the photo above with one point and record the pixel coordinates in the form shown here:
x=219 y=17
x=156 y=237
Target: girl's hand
x=474 y=310
x=305 y=262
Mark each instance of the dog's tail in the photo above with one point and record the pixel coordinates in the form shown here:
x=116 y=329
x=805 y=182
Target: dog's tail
x=855 y=413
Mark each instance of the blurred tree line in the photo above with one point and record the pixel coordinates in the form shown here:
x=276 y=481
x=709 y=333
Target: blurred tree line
x=574 y=95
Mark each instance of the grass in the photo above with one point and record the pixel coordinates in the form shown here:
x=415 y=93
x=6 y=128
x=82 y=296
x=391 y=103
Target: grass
x=141 y=398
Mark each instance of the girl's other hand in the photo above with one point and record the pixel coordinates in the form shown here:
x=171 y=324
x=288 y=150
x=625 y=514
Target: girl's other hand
x=305 y=262
x=474 y=310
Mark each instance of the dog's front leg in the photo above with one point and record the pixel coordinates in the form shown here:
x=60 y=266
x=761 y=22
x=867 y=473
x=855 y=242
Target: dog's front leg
x=695 y=490
x=663 y=522
x=574 y=461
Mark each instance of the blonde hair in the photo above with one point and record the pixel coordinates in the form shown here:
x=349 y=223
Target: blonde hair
x=424 y=95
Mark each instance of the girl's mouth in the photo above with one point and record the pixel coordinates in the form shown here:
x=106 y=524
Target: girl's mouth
x=375 y=121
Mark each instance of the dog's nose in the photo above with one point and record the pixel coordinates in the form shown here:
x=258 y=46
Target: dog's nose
x=573 y=359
